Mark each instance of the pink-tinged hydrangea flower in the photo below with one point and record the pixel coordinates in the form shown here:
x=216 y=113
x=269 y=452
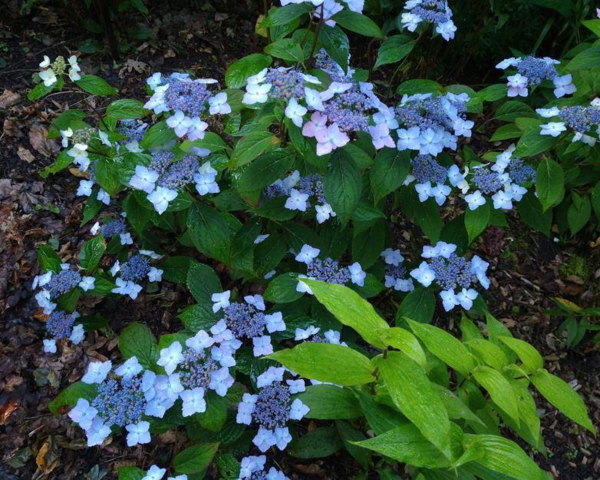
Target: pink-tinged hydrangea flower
x=330 y=139
x=517 y=85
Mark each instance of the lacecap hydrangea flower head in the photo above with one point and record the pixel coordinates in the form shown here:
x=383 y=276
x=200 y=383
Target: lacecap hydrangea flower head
x=455 y=275
x=271 y=408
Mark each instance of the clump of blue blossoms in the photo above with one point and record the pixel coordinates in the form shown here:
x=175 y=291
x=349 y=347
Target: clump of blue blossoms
x=122 y=400
x=584 y=121
x=532 y=71
x=166 y=176
x=137 y=268
x=113 y=228
x=396 y=275
x=504 y=181
x=188 y=101
x=299 y=191
x=246 y=320
x=53 y=285
x=451 y=273
x=430 y=177
x=253 y=468
x=436 y=12
x=133 y=132
x=328 y=8
x=271 y=408
x=431 y=123
x=312 y=334
x=202 y=366
x=326 y=270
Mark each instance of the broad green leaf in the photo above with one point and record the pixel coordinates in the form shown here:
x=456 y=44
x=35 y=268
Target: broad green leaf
x=415 y=397
x=286 y=49
x=137 y=340
x=195 y=459
x=239 y=71
x=350 y=436
x=282 y=289
x=533 y=143
x=501 y=455
x=388 y=172
x=336 y=44
x=380 y=417
x=329 y=402
x=407 y=445
x=593 y=25
x=264 y=171
x=476 y=221
x=319 y=443
x=407 y=343
x=39 y=91
x=368 y=241
x=500 y=390
x=327 y=363
x=175 y=269
x=211 y=141
x=62 y=161
x=198 y=317
x=587 y=60
x=203 y=282
x=342 y=185
x=530 y=357
x=357 y=23
x=91 y=253
x=550 y=182
x=427 y=216
x=410 y=87
x=70 y=395
x=394 y=49
x=418 y=305
x=445 y=346
x=562 y=396
x=210 y=231
x=95 y=85
x=579 y=213
x=284 y=15
x=252 y=146
x=126 y=109
x=350 y=309
x=454 y=405
x=49 y=259
x=131 y=473
x=530 y=210
x=513 y=109
x=505 y=132
x=158 y=135
x=490 y=353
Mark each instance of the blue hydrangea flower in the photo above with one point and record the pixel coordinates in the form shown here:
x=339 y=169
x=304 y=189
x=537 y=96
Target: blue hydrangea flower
x=271 y=408
x=63 y=282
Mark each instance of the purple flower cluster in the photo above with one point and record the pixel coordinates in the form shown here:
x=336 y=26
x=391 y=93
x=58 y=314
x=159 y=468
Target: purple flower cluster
x=328 y=270
x=63 y=282
x=133 y=130
x=120 y=401
x=537 y=69
x=581 y=119
x=487 y=181
x=60 y=324
x=186 y=95
x=427 y=169
x=136 y=268
x=114 y=228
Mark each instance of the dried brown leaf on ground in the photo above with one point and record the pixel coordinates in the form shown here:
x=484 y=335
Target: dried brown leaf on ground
x=25 y=154
x=38 y=140
x=9 y=99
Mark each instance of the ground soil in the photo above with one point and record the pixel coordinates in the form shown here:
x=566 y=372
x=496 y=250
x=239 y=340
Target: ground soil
x=527 y=269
